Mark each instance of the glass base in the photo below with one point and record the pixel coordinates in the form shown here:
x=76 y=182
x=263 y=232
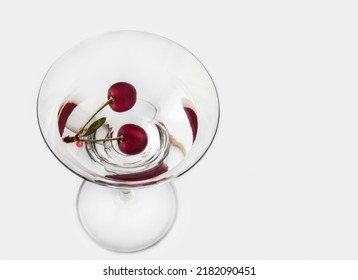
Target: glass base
x=126 y=220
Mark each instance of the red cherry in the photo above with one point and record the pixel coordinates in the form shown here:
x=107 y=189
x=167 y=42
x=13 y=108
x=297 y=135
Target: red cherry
x=124 y=96
x=193 y=120
x=134 y=140
x=63 y=115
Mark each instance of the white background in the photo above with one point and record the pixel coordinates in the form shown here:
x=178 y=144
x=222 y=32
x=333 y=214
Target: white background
x=280 y=180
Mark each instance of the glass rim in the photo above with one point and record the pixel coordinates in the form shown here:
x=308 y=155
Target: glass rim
x=123 y=184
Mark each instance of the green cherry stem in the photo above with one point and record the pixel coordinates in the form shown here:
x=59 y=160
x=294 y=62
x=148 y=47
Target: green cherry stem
x=109 y=101
x=69 y=139
x=120 y=138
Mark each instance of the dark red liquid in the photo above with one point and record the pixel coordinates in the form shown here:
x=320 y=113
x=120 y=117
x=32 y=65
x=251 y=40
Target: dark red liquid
x=63 y=115
x=193 y=120
x=148 y=174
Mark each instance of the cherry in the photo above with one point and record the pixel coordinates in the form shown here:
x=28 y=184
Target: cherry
x=134 y=139
x=193 y=120
x=123 y=95
x=63 y=115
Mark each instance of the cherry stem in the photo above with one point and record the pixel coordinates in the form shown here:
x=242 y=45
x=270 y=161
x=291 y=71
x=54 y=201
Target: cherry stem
x=109 y=101
x=120 y=138
x=69 y=139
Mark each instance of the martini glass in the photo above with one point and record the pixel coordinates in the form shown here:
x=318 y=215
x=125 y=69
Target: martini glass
x=127 y=202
